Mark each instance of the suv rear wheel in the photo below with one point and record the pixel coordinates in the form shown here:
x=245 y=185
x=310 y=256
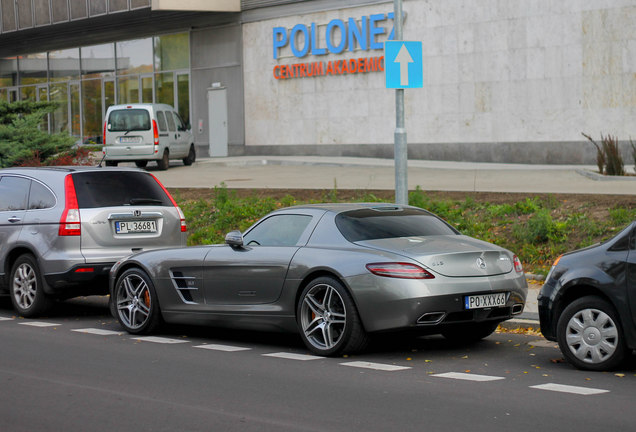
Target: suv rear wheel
x=26 y=287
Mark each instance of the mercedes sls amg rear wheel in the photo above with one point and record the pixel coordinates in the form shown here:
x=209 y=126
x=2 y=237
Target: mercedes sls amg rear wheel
x=136 y=302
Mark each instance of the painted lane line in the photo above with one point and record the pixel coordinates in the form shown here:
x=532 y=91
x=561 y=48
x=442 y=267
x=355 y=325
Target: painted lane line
x=6 y=319
x=100 y=332
x=585 y=391
x=39 y=324
x=225 y=348
x=292 y=356
x=468 y=377
x=160 y=340
x=375 y=366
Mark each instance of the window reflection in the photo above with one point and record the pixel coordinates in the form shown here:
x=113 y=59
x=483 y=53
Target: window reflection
x=134 y=56
x=172 y=52
x=98 y=61
x=33 y=68
x=64 y=65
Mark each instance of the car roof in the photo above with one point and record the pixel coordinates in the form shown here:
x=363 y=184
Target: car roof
x=65 y=169
x=343 y=207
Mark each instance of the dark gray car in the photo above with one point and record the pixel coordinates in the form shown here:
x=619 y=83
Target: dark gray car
x=62 y=228
x=334 y=273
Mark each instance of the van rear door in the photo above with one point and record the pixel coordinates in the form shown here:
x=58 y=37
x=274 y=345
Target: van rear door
x=129 y=133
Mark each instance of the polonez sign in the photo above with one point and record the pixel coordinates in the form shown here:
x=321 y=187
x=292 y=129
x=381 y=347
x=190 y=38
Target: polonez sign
x=366 y=34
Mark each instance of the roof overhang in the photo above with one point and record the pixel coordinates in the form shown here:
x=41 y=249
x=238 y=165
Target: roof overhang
x=197 y=5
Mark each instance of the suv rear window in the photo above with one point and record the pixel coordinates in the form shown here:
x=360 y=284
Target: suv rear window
x=372 y=224
x=129 y=120
x=105 y=189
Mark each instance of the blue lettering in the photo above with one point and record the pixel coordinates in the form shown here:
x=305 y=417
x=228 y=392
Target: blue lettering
x=300 y=28
x=375 y=31
x=358 y=34
x=279 y=42
x=314 y=43
x=343 y=36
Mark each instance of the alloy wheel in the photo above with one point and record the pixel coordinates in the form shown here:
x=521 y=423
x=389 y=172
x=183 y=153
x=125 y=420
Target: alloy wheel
x=323 y=316
x=134 y=302
x=25 y=286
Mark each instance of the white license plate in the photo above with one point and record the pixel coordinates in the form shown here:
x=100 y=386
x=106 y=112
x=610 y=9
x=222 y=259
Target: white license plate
x=133 y=227
x=129 y=140
x=483 y=301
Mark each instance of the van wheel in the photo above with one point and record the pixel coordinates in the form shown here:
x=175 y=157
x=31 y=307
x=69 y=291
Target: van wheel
x=27 y=288
x=141 y=164
x=192 y=156
x=164 y=162
x=111 y=163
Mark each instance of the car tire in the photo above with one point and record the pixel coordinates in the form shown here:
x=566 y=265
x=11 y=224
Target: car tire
x=471 y=332
x=141 y=164
x=164 y=162
x=590 y=335
x=192 y=156
x=26 y=288
x=136 y=303
x=111 y=163
x=328 y=320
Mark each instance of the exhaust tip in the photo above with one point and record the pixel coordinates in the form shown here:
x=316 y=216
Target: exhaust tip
x=431 y=318
x=517 y=309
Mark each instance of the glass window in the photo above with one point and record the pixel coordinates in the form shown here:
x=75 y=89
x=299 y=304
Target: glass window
x=102 y=189
x=278 y=230
x=13 y=193
x=8 y=72
x=134 y=56
x=76 y=125
x=33 y=69
x=109 y=93
x=172 y=52
x=128 y=89
x=64 y=64
x=371 y=224
x=92 y=111
x=170 y=121
x=161 y=119
x=177 y=120
x=27 y=93
x=40 y=197
x=128 y=120
x=98 y=61
x=146 y=89
x=59 y=118
x=183 y=96
x=164 y=91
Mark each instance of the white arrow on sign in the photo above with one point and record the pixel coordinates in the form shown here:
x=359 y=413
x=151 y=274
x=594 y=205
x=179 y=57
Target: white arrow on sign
x=404 y=58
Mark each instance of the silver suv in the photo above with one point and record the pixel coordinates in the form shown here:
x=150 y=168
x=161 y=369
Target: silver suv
x=62 y=228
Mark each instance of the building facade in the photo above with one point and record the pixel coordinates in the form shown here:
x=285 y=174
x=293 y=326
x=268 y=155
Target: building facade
x=504 y=80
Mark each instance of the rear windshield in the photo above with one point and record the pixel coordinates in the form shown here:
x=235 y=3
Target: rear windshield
x=129 y=120
x=372 y=224
x=109 y=189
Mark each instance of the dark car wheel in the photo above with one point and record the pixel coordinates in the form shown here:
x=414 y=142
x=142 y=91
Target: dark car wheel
x=136 y=302
x=26 y=288
x=471 y=332
x=192 y=156
x=328 y=319
x=164 y=162
x=141 y=163
x=590 y=335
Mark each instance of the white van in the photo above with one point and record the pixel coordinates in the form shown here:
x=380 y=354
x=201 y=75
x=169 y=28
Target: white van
x=142 y=132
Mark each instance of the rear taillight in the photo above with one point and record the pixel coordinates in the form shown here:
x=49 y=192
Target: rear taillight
x=70 y=224
x=104 y=135
x=517 y=263
x=155 y=132
x=184 y=228
x=399 y=270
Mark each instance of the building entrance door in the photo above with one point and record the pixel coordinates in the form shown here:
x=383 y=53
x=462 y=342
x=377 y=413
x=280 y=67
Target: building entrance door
x=217 y=121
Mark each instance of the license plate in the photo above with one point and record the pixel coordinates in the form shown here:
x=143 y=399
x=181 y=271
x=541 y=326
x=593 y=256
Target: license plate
x=129 y=140
x=483 y=301
x=133 y=227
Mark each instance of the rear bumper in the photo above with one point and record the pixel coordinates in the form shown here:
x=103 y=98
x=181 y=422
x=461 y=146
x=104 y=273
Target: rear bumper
x=81 y=279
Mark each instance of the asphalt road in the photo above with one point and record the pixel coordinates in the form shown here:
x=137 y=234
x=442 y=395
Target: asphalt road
x=77 y=371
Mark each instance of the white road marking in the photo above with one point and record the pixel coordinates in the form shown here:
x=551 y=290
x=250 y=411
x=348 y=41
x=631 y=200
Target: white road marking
x=226 y=348
x=468 y=377
x=100 y=332
x=160 y=340
x=585 y=391
x=292 y=356
x=375 y=366
x=5 y=319
x=40 y=324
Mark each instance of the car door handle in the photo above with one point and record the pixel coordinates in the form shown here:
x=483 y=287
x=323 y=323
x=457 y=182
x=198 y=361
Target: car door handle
x=14 y=219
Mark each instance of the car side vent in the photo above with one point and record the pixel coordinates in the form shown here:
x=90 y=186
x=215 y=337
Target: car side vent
x=185 y=287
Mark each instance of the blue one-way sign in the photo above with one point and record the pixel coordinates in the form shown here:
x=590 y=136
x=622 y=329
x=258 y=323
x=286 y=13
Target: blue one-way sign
x=403 y=64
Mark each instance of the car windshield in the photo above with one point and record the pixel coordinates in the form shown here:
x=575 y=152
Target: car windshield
x=109 y=189
x=380 y=223
x=129 y=120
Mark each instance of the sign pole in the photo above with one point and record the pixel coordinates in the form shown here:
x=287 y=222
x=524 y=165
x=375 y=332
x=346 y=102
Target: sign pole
x=400 y=152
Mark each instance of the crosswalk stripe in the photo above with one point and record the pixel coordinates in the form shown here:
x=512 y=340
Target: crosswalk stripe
x=585 y=391
x=161 y=340
x=39 y=324
x=292 y=356
x=226 y=348
x=100 y=332
x=375 y=366
x=468 y=377
x=5 y=319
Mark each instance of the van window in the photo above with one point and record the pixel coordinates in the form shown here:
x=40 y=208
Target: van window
x=170 y=122
x=180 y=125
x=161 y=119
x=13 y=193
x=129 y=120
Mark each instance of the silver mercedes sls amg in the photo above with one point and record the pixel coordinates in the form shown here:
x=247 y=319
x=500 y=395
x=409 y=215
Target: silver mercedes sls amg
x=334 y=273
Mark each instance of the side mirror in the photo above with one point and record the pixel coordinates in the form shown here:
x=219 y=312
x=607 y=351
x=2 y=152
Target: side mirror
x=234 y=239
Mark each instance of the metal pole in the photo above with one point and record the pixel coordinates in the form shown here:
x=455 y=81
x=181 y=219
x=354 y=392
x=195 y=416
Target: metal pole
x=400 y=152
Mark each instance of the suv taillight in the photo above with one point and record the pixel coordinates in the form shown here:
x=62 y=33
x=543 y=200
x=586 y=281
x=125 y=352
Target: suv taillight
x=70 y=224
x=184 y=228
x=155 y=132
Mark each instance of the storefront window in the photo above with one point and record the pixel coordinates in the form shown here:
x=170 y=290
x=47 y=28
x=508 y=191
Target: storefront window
x=134 y=56
x=146 y=89
x=183 y=95
x=8 y=72
x=76 y=121
x=59 y=118
x=172 y=52
x=98 y=61
x=33 y=68
x=164 y=91
x=27 y=93
x=92 y=110
x=128 y=89
x=64 y=65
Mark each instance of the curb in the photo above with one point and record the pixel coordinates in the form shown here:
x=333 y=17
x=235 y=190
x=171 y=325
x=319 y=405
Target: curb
x=521 y=323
